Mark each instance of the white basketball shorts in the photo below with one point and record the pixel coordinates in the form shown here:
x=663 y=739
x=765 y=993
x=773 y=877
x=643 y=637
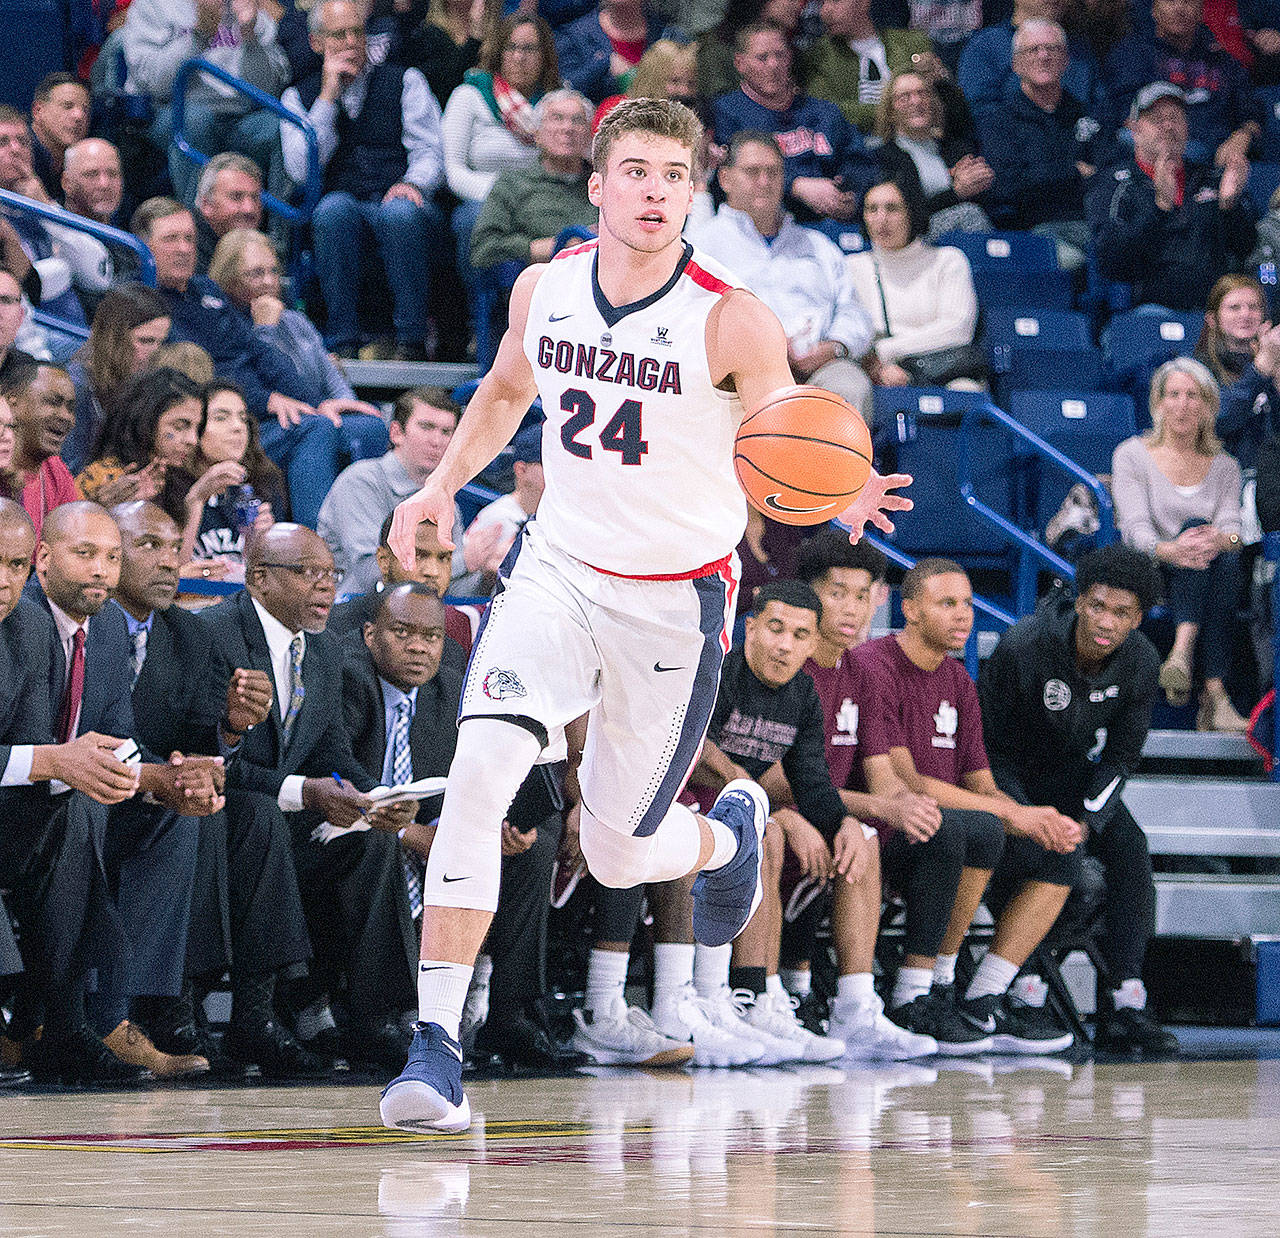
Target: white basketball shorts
x=641 y=656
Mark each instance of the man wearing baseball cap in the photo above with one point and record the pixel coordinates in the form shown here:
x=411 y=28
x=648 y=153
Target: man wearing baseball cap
x=1164 y=224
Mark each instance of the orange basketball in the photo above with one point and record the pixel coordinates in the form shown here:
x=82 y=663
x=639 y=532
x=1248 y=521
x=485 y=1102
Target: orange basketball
x=803 y=456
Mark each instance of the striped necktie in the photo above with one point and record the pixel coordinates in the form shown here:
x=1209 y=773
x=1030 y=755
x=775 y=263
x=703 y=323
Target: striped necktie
x=296 y=690
x=402 y=772
x=139 y=654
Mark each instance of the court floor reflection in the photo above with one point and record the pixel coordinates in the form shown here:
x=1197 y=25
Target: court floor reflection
x=990 y=1147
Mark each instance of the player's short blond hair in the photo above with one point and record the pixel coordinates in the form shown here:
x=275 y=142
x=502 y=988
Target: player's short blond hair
x=661 y=118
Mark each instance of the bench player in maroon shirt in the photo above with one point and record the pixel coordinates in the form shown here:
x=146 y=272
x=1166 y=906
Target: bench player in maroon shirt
x=927 y=721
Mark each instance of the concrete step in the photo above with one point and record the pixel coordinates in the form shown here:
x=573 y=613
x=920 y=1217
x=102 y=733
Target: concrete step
x=1199 y=746
x=1206 y=816
x=1217 y=908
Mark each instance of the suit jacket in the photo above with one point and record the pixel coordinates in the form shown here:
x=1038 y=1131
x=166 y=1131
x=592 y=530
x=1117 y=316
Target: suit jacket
x=433 y=733
x=319 y=744
x=26 y=640
x=174 y=704
x=106 y=706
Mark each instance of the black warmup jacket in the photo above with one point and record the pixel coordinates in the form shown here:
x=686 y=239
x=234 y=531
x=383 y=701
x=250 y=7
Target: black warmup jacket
x=1055 y=737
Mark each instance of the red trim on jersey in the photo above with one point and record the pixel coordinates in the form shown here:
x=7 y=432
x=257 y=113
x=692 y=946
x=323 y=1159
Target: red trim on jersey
x=730 y=605
x=719 y=568
x=704 y=279
x=577 y=249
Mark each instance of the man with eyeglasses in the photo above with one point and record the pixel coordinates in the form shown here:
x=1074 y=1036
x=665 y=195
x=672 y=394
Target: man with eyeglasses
x=1040 y=140
x=987 y=64
x=302 y=758
x=380 y=147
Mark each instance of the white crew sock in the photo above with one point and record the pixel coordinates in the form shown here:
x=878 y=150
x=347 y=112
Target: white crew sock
x=773 y=986
x=673 y=964
x=1030 y=990
x=606 y=979
x=442 y=992
x=726 y=844
x=944 y=969
x=1131 y=995
x=798 y=980
x=994 y=976
x=711 y=968
x=483 y=971
x=912 y=982
x=857 y=990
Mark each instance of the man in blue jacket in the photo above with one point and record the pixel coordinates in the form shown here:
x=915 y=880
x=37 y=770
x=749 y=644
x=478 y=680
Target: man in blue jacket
x=826 y=165
x=303 y=443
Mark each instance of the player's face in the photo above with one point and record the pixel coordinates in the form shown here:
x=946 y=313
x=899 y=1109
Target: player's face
x=780 y=640
x=847 y=595
x=1105 y=616
x=432 y=565
x=942 y=612
x=645 y=192
x=407 y=639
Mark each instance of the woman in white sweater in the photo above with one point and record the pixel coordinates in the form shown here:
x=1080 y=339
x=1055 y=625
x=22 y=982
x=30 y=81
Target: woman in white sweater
x=920 y=296
x=489 y=121
x=1177 y=497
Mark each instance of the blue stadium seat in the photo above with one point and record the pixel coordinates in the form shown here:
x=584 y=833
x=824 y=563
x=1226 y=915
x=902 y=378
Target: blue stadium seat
x=848 y=236
x=1031 y=368
x=1004 y=251
x=1268 y=98
x=1007 y=329
x=1086 y=426
x=917 y=431
x=1137 y=343
x=35 y=42
x=1023 y=289
x=1264 y=180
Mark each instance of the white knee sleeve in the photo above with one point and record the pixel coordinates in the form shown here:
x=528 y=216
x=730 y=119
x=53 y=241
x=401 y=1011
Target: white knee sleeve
x=623 y=860
x=492 y=759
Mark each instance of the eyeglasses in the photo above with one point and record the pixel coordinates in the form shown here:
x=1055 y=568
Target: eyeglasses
x=312 y=575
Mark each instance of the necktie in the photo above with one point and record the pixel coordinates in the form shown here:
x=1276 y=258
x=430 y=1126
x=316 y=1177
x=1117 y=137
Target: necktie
x=402 y=772
x=139 y=653
x=296 y=690
x=74 y=694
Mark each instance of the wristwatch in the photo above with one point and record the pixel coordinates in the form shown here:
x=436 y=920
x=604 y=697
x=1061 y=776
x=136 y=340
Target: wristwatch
x=842 y=350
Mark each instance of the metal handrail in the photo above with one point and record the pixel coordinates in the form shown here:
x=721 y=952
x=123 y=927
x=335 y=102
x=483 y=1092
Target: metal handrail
x=1029 y=546
x=79 y=223
x=315 y=182
x=1271 y=548
x=980 y=604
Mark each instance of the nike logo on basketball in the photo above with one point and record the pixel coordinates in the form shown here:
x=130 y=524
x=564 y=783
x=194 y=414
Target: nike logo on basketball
x=657 y=666
x=558 y=317
x=446 y=877
x=771 y=501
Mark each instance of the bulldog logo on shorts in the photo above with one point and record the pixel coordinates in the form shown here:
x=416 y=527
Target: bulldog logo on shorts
x=498 y=685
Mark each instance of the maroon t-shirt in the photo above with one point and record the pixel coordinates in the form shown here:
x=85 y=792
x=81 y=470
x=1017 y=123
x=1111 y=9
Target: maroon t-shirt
x=845 y=692
x=933 y=714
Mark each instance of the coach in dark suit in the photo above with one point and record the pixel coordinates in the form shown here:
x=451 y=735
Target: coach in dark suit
x=246 y=914
x=149 y=847
x=302 y=755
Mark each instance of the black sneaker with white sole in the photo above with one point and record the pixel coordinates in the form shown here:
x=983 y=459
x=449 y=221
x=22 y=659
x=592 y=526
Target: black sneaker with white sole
x=1125 y=1030
x=935 y=1014
x=1015 y=1027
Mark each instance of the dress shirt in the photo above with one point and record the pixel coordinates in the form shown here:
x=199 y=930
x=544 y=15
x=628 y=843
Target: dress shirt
x=420 y=133
x=279 y=638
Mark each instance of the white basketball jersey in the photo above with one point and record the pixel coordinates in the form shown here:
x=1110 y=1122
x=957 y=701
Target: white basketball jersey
x=637 y=449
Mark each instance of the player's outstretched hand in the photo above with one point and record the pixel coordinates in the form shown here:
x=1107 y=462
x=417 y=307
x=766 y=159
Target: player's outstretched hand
x=434 y=503
x=875 y=502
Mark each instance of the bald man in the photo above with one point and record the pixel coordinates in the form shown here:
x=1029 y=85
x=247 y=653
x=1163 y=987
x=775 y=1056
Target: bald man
x=148 y=847
x=93 y=186
x=277 y=625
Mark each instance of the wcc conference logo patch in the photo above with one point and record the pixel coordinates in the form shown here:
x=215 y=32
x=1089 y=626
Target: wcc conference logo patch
x=499 y=685
x=1057 y=695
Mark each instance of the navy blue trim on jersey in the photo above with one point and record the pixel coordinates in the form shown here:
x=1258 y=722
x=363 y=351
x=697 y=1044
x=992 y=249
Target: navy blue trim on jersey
x=712 y=600
x=614 y=314
x=532 y=725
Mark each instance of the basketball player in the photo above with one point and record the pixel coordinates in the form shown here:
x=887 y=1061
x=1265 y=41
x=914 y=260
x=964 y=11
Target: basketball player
x=615 y=602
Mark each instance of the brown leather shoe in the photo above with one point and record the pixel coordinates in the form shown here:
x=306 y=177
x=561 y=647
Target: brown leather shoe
x=130 y=1044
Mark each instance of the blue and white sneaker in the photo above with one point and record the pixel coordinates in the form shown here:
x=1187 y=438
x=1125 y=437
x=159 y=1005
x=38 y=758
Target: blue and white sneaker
x=726 y=898
x=427 y=1094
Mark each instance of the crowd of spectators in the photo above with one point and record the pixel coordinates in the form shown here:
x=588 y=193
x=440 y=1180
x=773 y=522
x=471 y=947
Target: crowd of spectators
x=207 y=429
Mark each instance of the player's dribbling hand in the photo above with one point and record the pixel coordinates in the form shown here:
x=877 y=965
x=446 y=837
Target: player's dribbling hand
x=434 y=503
x=875 y=502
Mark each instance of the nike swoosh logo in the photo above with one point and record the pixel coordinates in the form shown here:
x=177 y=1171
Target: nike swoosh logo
x=771 y=501
x=1099 y=800
x=657 y=666
x=446 y=877
x=558 y=317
